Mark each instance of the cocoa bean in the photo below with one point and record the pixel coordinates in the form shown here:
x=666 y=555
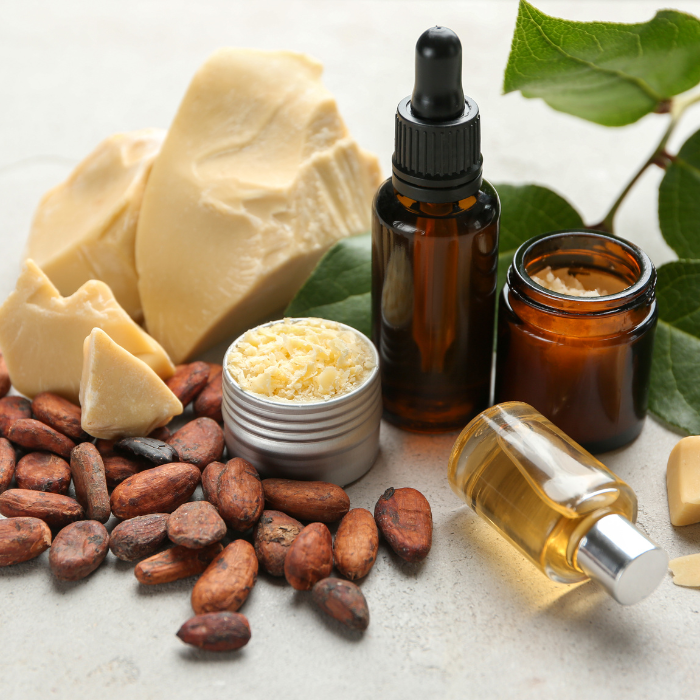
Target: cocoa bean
x=199 y=442
x=196 y=525
x=105 y=447
x=155 y=451
x=162 y=434
x=118 y=468
x=53 y=508
x=175 y=563
x=208 y=403
x=406 y=521
x=343 y=601
x=356 y=543
x=210 y=481
x=7 y=464
x=158 y=490
x=60 y=414
x=227 y=581
x=42 y=471
x=12 y=408
x=188 y=381
x=306 y=500
x=274 y=534
x=5 y=384
x=22 y=539
x=90 y=482
x=310 y=557
x=240 y=496
x=217 y=631
x=139 y=537
x=37 y=436
x=78 y=550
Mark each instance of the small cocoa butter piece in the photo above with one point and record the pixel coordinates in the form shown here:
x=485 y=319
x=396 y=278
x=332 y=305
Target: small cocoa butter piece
x=274 y=534
x=208 y=403
x=343 y=601
x=356 y=543
x=7 y=464
x=37 y=436
x=90 y=482
x=53 y=508
x=43 y=471
x=199 y=442
x=78 y=549
x=60 y=414
x=310 y=557
x=12 y=408
x=228 y=580
x=196 y=525
x=139 y=537
x=175 y=563
x=240 y=497
x=318 y=501
x=188 y=381
x=216 y=631
x=405 y=519
x=22 y=539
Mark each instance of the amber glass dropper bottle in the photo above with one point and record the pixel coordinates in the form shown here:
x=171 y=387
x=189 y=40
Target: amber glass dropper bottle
x=435 y=252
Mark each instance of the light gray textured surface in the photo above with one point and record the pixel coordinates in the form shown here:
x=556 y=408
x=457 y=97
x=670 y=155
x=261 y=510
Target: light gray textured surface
x=476 y=619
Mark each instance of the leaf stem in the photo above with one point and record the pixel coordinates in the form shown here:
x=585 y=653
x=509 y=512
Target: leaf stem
x=658 y=157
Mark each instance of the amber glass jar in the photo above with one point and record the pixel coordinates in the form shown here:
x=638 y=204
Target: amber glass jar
x=583 y=362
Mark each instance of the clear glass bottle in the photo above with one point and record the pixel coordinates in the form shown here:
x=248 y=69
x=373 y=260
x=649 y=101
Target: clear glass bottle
x=555 y=502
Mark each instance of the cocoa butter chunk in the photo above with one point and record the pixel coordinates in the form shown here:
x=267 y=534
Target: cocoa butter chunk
x=217 y=631
x=155 y=451
x=60 y=414
x=22 y=539
x=43 y=471
x=196 y=525
x=7 y=464
x=34 y=435
x=78 y=550
x=139 y=537
x=53 y=508
x=686 y=570
x=404 y=518
x=683 y=481
x=90 y=482
x=317 y=501
x=343 y=601
x=199 y=442
x=12 y=408
x=188 y=381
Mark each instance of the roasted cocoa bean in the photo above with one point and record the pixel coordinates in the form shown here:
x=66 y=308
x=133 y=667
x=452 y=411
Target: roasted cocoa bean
x=227 y=581
x=90 y=482
x=208 y=403
x=188 y=381
x=175 y=563
x=55 y=510
x=36 y=436
x=162 y=434
x=343 y=601
x=22 y=539
x=43 y=471
x=118 y=468
x=7 y=464
x=13 y=408
x=78 y=550
x=139 y=537
x=310 y=557
x=60 y=414
x=356 y=543
x=5 y=384
x=199 y=442
x=306 y=500
x=105 y=447
x=406 y=521
x=157 y=490
x=217 y=631
x=240 y=496
x=274 y=534
x=196 y=525
x=210 y=481
x=155 y=451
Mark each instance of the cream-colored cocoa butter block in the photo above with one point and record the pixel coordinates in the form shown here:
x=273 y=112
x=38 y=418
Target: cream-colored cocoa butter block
x=683 y=481
x=42 y=333
x=85 y=228
x=686 y=570
x=256 y=179
x=120 y=395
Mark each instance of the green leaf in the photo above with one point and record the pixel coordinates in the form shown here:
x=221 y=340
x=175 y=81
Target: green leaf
x=611 y=74
x=674 y=394
x=526 y=211
x=340 y=286
x=679 y=200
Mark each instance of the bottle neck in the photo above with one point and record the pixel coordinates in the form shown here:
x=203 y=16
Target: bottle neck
x=436 y=209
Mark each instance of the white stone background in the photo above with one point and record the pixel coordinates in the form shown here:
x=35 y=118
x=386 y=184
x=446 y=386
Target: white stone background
x=475 y=619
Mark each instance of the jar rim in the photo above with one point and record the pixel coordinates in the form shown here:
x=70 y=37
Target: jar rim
x=642 y=288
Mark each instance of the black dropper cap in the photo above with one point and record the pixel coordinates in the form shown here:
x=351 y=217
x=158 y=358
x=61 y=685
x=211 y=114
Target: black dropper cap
x=437 y=149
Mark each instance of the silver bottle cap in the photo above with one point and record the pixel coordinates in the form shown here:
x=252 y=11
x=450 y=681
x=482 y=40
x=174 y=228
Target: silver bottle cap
x=622 y=559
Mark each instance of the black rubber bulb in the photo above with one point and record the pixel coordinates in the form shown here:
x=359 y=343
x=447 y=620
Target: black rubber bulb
x=437 y=92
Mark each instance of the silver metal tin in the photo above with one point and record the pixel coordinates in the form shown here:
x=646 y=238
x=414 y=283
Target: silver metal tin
x=335 y=440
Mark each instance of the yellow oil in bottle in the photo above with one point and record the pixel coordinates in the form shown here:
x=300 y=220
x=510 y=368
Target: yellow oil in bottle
x=535 y=486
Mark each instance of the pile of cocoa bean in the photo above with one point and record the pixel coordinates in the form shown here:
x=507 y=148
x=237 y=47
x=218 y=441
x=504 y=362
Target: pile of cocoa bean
x=147 y=483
